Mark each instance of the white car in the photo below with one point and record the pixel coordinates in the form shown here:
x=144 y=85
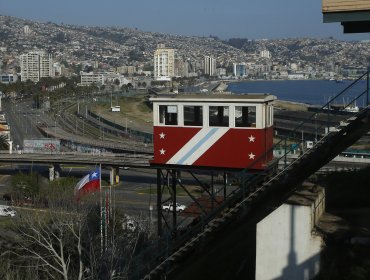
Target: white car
x=7 y=211
x=169 y=207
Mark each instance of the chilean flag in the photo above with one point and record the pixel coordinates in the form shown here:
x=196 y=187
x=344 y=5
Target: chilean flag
x=89 y=183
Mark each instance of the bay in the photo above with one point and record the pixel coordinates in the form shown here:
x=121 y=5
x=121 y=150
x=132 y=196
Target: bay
x=315 y=92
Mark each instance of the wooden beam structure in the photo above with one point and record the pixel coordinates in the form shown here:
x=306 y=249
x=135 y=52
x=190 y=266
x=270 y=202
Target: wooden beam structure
x=354 y=15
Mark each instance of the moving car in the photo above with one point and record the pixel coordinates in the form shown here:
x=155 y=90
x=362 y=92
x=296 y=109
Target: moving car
x=169 y=207
x=6 y=211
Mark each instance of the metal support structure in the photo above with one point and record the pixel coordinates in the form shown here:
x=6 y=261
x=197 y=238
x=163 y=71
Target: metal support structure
x=170 y=179
x=201 y=185
x=174 y=201
x=159 y=202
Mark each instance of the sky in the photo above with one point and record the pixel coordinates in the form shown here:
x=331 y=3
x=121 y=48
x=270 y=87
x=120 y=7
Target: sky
x=252 y=19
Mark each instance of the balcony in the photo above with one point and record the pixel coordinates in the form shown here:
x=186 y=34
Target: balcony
x=354 y=15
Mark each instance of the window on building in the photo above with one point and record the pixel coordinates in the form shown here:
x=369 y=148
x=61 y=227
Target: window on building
x=218 y=116
x=269 y=115
x=193 y=115
x=168 y=114
x=245 y=116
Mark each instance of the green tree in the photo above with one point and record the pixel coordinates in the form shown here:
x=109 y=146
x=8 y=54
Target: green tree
x=25 y=187
x=4 y=145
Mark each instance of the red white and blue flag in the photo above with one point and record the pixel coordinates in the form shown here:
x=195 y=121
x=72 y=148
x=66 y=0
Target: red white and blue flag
x=89 y=183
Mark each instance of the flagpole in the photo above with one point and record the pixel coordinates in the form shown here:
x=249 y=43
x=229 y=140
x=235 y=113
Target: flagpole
x=101 y=214
x=106 y=221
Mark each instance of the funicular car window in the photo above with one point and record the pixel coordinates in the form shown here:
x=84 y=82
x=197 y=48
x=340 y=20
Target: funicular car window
x=218 y=116
x=193 y=115
x=245 y=116
x=168 y=114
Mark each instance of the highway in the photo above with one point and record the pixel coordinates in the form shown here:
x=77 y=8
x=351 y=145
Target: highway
x=30 y=123
x=23 y=120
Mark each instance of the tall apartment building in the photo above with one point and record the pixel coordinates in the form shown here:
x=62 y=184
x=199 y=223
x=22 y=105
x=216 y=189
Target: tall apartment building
x=164 y=62
x=35 y=65
x=239 y=69
x=265 y=54
x=210 y=66
x=181 y=68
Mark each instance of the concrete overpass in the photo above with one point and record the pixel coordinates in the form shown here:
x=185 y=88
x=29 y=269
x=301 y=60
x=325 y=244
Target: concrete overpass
x=107 y=159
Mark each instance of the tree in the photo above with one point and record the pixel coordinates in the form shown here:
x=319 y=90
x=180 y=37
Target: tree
x=25 y=187
x=64 y=242
x=51 y=243
x=116 y=82
x=4 y=145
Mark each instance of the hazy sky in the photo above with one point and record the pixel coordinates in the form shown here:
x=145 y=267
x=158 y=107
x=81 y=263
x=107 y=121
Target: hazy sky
x=252 y=19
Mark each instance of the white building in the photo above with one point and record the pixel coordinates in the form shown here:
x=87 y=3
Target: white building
x=35 y=65
x=221 y=71
x=265 y=54
x=102 y=78
x=126 y=69
x=210 y=66
x=239 y=69
x=26 y=30
x=8 y=78
x=296 y=76
x=164 y=62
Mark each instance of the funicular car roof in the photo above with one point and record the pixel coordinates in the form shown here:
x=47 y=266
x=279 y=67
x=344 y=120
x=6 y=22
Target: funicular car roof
x=212 y=98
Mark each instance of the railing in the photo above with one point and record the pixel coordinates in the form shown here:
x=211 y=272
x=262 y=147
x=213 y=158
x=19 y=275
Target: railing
x=250 y=186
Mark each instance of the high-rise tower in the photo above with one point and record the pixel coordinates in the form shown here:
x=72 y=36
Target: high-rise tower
x=210 y=66
x=164 y=62
x=35 y=65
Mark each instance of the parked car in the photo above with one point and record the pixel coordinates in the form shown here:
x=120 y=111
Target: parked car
x=6 y=211
x=169 y=207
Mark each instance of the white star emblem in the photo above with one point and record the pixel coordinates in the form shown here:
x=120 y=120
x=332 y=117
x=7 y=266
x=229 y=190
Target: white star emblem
x=251 y=138
x=94 y=175
x=162 y=151
x=162 y=135
x=251 y=156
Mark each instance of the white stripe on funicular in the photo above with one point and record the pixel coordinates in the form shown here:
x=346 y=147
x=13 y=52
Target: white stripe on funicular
x=198 y=145
x=190 y=144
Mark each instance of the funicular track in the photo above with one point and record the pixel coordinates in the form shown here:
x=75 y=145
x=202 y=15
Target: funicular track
x=258 y=196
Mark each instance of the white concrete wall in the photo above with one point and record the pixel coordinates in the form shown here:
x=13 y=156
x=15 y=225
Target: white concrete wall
x=286 y=245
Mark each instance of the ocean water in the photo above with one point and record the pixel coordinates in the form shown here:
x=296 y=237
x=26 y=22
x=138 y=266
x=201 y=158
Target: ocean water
x=315 y=92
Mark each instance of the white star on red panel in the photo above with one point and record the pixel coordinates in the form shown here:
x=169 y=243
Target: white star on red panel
x=162 y=135
x=162 y=151
x=251 y=156
x=251 y=138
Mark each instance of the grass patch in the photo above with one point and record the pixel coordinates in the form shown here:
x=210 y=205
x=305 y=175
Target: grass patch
x=5 y=222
